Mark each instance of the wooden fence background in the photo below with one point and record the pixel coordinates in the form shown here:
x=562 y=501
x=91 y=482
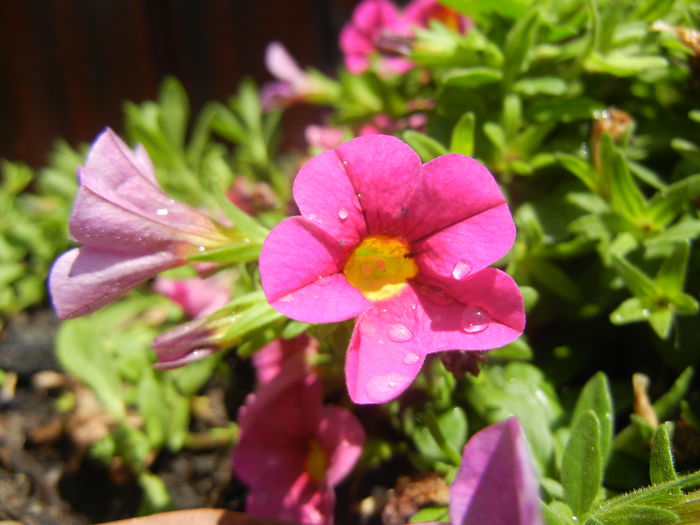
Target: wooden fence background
x=66 y=66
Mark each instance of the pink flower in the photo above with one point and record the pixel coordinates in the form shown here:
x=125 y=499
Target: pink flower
x=377 y=27
x=401 y=246
x=198 y=297
x=293 y=450
x=270 y=359
x=496 y=483
x=420 y=12
x=130 y=230
x=323 y=137
x=293 y=84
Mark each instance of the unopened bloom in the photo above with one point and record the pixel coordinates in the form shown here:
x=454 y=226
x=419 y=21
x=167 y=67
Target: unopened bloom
x=496 y=483
x=293 y=450
x=130 y=230
x=403 y=247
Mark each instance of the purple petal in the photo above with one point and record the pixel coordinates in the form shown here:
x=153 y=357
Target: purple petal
x=85 y=279
x=496 y=483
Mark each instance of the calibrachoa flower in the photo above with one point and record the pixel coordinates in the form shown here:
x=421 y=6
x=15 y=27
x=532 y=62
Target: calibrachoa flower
x=496 y=482
x=403 y=247
x=131 y=230
x=292 y=449
x=269 y=360
x=293 y=84
x=377 y=27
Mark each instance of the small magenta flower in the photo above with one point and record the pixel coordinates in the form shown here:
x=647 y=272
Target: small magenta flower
x=420 y=12
x=496 y=483
x=293 y=450
x=403 y=247
x=130 y=230
x=269 y=360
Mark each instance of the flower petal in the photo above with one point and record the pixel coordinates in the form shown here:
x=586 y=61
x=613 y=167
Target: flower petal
x=468 y=246
x=496 y=483
x=378 y=367
x=342 y=437
x=384 y=172
x=325 y=195
x=483 y=312
x=301 y=273
x=85 y=279
x=124 y=179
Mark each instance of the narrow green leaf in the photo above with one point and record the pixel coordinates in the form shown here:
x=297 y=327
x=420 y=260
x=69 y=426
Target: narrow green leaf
x=625 y=196
x=631 y=310
x=582 y=465
x=462 y=140
x=519 y=42
x=512 y=115
x=668 y=403
x=636 y=280
x=241 y=252
x=552 y=86
x=661 y=320
x=639 y=514
x=246 y=224
x=472 y=77
x=557 y=513
x=174 y=111
x=427 y=147
x=668 y=203
x=496 y=135
x=661 y=466
x=582 y=169
x=671 y=276
x=686 y=230
x=156 y=497
x=595 y=396
x=431 y=514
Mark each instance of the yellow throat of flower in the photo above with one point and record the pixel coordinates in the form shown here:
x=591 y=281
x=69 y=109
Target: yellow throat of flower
x=380 y=266
x=316 y=461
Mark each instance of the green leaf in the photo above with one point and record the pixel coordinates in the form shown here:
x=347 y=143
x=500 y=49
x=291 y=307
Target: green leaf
x=582 y=169
x=462 y=140
x=156 y=497
x=472 y=77
x=631 y=310
x=582 y=465
x=671 y=276
x=557 y=513
x=661 y=320
x=452 y=426
x=427 y=147
x=431 y=514
x=551 y=86
x=174 y=111
x=622 y=64
x=518 y=44
x=668 y=403
x=638 y=515
x=497 y=136
x=595 y=396
x=683 y=231
x=241 y=252
x=661 y=467
x=625 y=196
x=636 y=280
x=668 y=203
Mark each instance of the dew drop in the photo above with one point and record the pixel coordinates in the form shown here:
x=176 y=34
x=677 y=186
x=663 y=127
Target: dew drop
x=411 y=358
x=460 y=270
x=400 y=333
x=345 y=163
x=323 y=280
x=162 y=211
x=646 y=312
x=201 y=249
x=384 y=387
x=342 y=214
x=286 y=298
x=474 y=320
x=314 y=218
x=359 y=195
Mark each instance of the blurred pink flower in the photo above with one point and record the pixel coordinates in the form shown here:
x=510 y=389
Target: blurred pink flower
x=197 y=296
x=496 y=483
x=269 y=360
x=323 y=137
x=402 y=246
x=293 y=84
x=293 y=450
x=377 y=27
x=131 y=230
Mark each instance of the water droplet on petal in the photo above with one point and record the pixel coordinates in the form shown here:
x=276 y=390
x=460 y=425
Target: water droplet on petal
x=314 y=218
x=461 y=270
x=359 y=195
x=414 y=306
x=201 y=249
x=411 y=358
x=323 y=280
x=342 y=214
x=474 y=320
x=287 y=298
x=345 y=163
x=400 y=333
x=162 y=211
x=384 y=387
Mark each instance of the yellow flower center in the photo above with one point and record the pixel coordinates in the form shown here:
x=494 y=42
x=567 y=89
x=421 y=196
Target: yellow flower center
x=316 y=461
x=380 y=266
